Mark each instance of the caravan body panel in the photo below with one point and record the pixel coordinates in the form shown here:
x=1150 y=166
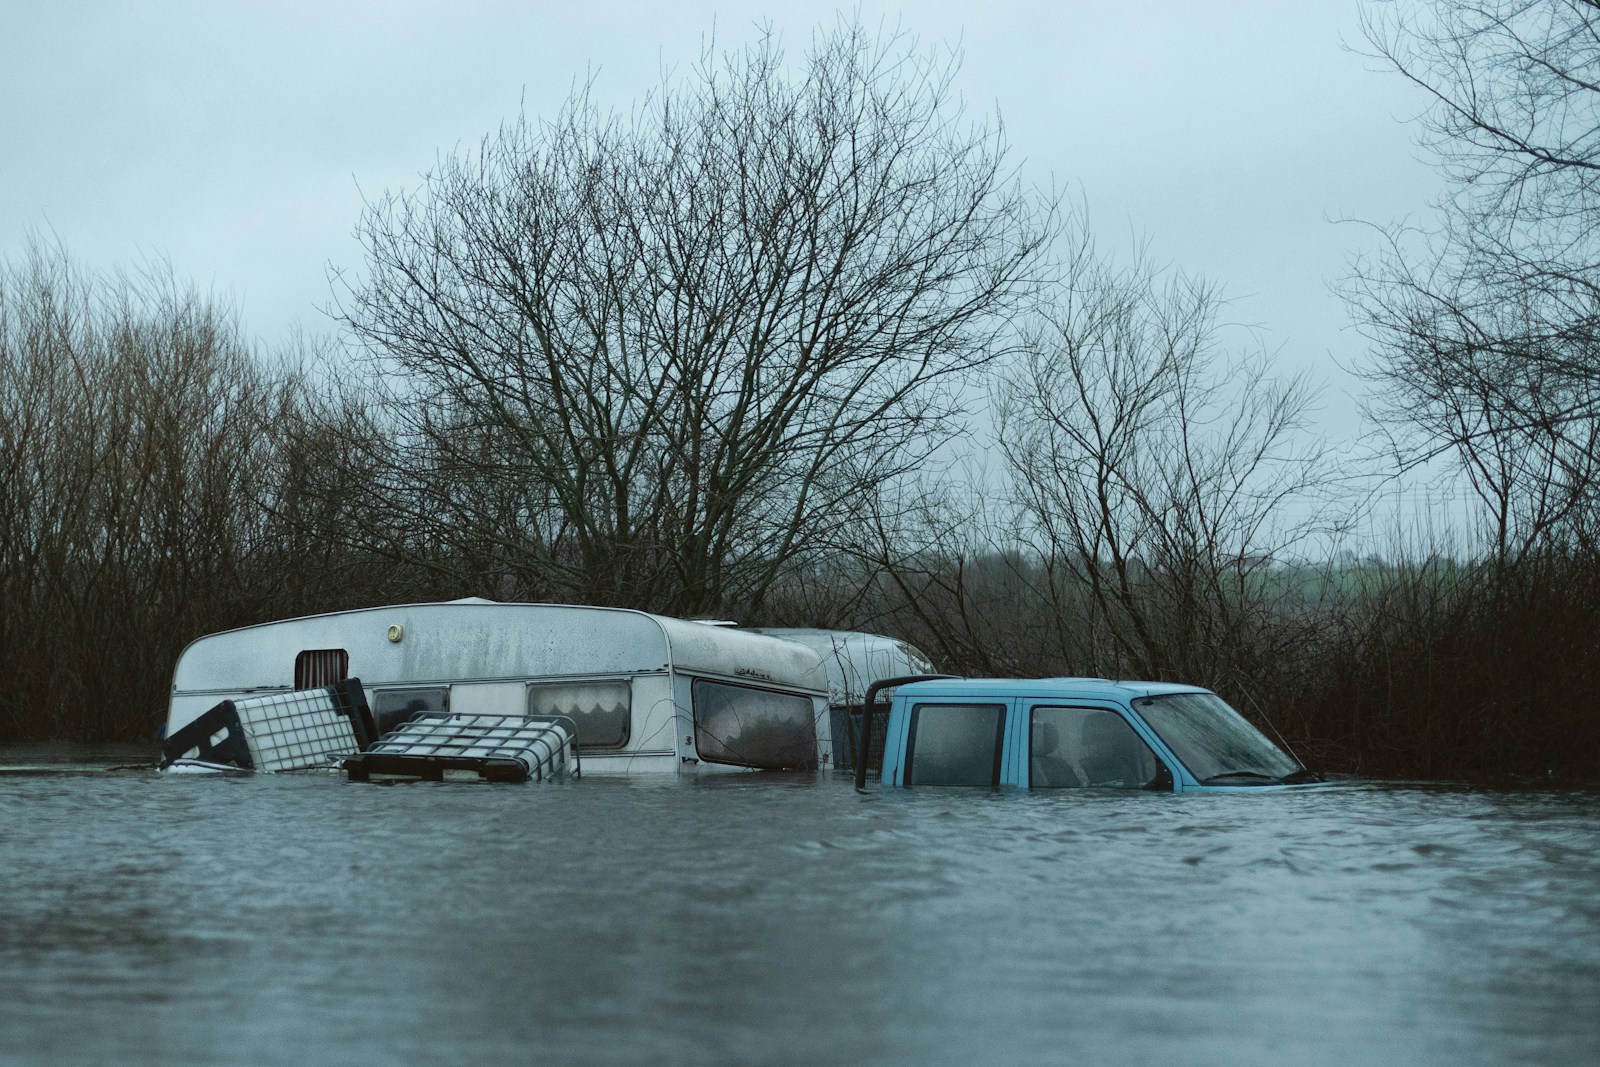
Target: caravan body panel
x=627 y=671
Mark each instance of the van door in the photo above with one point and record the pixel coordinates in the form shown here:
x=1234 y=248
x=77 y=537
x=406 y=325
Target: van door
x=1084 y=746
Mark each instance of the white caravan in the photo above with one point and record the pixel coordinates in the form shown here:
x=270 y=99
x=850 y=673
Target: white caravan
x=647 y=693
x=854 y=660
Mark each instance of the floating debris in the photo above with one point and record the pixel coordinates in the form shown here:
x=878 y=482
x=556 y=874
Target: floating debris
x=436 y=746
x=298 y=730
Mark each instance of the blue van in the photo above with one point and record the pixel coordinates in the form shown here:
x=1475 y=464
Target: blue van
x=1065 y=733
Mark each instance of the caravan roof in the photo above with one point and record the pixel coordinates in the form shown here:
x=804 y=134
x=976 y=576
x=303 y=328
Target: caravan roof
x=854 y=659
x=473 y=639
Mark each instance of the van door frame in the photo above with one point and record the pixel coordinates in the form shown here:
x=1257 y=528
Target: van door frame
x=1023 y=736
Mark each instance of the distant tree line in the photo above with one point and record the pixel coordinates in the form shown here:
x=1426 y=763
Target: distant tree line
x=791 y=344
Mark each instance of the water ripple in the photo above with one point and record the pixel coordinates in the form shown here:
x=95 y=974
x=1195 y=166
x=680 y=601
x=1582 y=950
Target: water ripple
x=788 y=919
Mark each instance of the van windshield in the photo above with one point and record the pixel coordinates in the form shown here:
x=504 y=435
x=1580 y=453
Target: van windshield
x=1213 y=740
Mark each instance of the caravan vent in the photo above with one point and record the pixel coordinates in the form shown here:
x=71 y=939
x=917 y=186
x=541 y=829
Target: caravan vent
x=317 y=667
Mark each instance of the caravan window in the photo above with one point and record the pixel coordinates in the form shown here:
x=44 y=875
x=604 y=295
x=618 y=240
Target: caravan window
x=601 y=710
x=753 y=727
x=391 y=707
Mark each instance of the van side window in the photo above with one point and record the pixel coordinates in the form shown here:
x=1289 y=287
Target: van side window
x=1087 y=747
x=954 y=744
x=317 y=667
x=391 y=707
x=601 y=710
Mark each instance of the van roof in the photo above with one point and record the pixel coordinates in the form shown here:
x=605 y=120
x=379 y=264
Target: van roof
x=1046 y=688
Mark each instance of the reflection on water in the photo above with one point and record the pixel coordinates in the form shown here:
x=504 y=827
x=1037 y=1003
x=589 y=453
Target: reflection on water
x=785 y=919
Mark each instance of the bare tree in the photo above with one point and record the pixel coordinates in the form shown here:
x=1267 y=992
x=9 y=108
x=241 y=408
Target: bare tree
x=662 y=360
x=135 y=470
x=1486 y=325
x=944 y=569
x=1158 y=478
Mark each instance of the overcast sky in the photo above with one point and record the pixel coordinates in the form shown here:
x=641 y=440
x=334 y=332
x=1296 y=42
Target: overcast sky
x=237 y=140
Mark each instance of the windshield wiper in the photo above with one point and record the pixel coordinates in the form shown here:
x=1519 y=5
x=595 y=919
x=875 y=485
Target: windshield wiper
x=1253 y=776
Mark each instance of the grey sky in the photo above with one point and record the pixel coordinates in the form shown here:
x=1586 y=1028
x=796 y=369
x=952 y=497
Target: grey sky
x=236 y=139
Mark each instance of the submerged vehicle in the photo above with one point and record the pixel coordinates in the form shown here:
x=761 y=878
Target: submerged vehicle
x=1062 y=733
x=853 y=660
x=643 y=693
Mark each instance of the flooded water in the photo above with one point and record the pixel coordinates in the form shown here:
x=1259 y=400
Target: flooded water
x=770 y=919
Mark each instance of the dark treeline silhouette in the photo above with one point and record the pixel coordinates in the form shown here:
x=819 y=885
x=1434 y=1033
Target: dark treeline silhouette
x=1432 y=669
x=153 y=479
x=157 y=484
x=720 y=358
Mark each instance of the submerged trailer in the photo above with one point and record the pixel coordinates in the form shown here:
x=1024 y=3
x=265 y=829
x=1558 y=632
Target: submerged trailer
x=646 y=693
x=854 y=661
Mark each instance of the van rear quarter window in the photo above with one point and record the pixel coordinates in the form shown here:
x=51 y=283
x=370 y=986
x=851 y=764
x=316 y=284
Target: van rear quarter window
x=954 y=744
x=752 y=727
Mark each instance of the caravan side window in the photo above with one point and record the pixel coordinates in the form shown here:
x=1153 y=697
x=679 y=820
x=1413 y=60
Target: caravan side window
x=391 y=707
x=752 y=727
x=601 y=710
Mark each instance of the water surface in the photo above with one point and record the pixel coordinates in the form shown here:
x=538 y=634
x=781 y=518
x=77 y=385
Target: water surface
x=304 y=920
